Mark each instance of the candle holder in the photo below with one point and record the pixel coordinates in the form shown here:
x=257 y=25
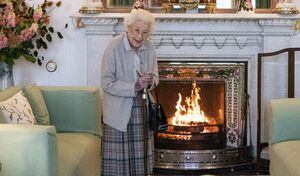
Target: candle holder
x=92 y=7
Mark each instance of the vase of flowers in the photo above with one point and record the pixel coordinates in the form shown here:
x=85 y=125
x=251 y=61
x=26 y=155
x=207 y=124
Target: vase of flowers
x=6 y=76
x=24 y=30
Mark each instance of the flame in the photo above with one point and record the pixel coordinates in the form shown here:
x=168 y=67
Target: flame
x=191 y=113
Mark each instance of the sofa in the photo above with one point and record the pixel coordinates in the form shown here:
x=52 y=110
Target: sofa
x=69 y=146
x=284 y=140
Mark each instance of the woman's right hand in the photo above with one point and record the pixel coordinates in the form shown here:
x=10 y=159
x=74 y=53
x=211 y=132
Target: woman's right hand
x=142 y=82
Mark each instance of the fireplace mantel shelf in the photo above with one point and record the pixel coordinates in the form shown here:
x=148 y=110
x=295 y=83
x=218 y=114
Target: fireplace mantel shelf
x=168 y=21
x=237 y=16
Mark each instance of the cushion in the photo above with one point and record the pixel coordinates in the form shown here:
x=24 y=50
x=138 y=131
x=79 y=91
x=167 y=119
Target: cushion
x=38 y=105
x=73 y=109
x=9 y=92
x=285 y=158
x=6 y=94
x=78 y=154
x=17 y=110
x=284 y=120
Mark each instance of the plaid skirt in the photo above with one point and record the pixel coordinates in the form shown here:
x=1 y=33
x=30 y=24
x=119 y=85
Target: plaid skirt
x=123 y=152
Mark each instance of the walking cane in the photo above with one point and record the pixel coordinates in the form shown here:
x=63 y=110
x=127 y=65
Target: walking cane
x=145 y=126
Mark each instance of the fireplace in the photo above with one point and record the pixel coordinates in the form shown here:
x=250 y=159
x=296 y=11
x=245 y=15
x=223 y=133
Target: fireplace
x=230 y=38
x=205 y=107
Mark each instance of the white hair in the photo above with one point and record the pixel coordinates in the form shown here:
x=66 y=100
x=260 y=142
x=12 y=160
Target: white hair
x=140 y=15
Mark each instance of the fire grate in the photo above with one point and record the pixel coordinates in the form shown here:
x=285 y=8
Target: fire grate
x=202 y=159
x=190 y=138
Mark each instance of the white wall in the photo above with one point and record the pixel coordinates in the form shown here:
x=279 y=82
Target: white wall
x=69 y=53
x=297 y=2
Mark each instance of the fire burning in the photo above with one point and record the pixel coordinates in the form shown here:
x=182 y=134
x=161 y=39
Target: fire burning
x=189 y=120
x=191 y=113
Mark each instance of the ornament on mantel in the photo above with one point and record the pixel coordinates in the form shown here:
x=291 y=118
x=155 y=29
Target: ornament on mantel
x=140 y=4
x=245 y=6
x=92 y=7
x=286 y=7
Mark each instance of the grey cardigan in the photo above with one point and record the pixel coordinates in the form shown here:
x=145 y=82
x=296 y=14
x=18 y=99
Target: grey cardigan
x=117 y=79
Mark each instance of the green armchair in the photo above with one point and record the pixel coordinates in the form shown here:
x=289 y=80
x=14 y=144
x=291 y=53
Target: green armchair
x=70 y=146
x=284 y=140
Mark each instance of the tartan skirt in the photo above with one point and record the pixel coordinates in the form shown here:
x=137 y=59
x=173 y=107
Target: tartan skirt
x=123 y=152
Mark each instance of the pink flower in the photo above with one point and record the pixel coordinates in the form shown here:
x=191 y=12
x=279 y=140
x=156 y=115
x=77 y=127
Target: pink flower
x=9 y=16
x=11 y=20
x=9 y=7
x=2 y=21
x=38 y=14
x=3 y=41
x=28 y=33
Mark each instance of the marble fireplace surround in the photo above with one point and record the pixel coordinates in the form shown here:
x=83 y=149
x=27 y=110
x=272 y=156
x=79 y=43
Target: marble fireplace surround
x=197 y=37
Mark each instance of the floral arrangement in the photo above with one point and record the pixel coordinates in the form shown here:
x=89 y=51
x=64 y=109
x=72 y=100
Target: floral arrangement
x=24 y=30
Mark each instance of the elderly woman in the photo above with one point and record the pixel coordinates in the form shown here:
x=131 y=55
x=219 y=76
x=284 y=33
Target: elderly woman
x=129 y=66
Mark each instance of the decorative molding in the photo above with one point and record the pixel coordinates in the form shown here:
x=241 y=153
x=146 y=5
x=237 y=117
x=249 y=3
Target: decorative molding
x=207 y=33
x=220 y=41
x=200 y=41
x=99 y=21
x=277 y=22
x=156 y=40
x=177 y=41
x=207 y=21
x=241 y=41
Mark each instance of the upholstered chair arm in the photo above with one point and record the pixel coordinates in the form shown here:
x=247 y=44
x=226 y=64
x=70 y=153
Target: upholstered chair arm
x=28 y=150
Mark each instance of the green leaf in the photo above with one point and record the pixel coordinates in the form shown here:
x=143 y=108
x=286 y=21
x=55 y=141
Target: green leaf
x=60 y=35
x=44 y=28
x=29 y=58
x=38 y=44
x=35 y=53
x=39 y=62
x=44 y=44
x=30 y=11
x=31 y=46
x=3 y=57
x=49 y=38
x=44 y=5
x=49 y=4
x=51 y=29
x=58 y=4
x=10 y=62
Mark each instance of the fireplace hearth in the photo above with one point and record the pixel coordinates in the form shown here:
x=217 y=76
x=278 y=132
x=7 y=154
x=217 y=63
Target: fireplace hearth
x=205 y=108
